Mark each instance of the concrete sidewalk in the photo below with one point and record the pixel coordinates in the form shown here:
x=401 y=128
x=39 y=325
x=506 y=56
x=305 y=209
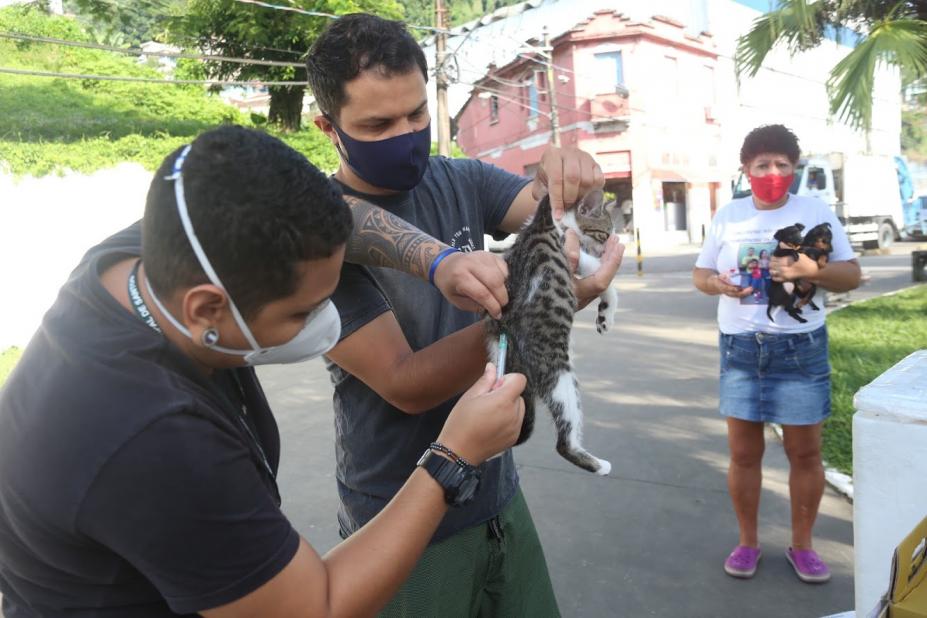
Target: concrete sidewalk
x=650 y=539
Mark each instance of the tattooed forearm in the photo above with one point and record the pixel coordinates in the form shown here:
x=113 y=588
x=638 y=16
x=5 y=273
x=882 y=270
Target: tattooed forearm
x=381 y=238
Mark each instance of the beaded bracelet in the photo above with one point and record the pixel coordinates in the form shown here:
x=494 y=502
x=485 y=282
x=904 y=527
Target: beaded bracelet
x=457 y=459
x=434 y=265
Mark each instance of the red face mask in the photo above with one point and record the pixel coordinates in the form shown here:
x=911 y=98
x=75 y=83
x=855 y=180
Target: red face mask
x=771 y=187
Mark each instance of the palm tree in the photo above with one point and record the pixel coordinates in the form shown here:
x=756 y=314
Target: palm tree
x=892 y=32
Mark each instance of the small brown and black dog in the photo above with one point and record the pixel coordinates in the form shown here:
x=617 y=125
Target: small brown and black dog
x=783 y=294
x=817 y=244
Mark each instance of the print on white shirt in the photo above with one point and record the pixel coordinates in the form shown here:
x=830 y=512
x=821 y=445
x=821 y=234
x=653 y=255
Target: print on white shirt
x=753 y=260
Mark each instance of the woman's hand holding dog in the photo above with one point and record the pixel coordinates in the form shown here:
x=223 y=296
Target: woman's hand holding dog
x=789 y=269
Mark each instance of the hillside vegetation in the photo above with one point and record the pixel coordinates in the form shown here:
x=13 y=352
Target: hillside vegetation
x=49 y=125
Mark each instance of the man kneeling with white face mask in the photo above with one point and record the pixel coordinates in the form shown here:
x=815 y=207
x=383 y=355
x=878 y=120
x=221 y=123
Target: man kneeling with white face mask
x=138 y=454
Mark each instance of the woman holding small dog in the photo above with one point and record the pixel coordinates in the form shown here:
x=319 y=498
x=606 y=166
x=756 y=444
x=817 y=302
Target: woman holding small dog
x=774 y=368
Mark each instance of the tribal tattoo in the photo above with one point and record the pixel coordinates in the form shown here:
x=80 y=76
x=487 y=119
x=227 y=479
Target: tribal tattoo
x=381 y=238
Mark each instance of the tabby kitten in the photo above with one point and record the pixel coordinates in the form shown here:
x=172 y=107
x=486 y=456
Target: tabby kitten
x=539 y=317
x=592 y=222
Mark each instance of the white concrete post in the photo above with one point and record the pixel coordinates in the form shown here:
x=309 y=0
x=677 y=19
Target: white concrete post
x=889 y=471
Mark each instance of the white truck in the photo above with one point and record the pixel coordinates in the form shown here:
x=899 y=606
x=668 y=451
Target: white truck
x=865 y=192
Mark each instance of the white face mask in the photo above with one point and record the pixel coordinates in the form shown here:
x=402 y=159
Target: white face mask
x=323 y=326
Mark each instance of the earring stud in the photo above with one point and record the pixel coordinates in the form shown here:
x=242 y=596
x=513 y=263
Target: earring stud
x=210 y=337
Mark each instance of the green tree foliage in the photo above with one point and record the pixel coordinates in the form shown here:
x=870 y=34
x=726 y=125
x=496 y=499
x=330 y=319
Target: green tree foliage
x=462 y=11
x=914 y=134
x=230 y=28
x=891 y=32
x=422 y=12
x=914 y=118
x=124 y=22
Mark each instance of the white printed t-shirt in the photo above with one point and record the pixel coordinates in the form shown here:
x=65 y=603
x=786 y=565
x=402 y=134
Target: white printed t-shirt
x=740 y=243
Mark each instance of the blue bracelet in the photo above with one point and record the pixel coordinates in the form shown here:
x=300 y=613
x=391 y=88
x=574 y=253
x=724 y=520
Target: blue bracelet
x=434 y=265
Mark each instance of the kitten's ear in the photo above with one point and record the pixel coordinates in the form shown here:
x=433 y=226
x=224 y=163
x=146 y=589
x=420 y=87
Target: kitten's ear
x=611 y=208
x=591 y=203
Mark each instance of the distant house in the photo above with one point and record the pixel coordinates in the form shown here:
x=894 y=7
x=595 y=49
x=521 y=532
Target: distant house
x=150 y=51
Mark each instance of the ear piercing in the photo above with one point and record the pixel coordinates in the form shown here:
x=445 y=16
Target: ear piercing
x=210 y=337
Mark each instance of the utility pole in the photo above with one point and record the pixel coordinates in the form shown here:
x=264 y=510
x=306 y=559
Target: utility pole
x=444 y=120
x=551 y=90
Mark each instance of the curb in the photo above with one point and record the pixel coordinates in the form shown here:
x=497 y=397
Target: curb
x=843 y=305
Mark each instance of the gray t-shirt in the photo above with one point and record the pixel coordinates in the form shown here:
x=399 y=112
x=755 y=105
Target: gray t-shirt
x=378 y=445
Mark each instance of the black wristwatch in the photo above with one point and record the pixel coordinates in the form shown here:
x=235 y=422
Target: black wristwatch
x=460 y=481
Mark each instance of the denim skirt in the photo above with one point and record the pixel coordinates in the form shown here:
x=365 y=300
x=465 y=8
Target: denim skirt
x=775 y=378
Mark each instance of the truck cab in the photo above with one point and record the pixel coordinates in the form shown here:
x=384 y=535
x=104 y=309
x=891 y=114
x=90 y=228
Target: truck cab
x=864 y=191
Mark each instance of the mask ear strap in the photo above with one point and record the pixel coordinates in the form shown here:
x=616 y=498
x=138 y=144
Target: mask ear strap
x=210 y=337
x=170 y=316
x=187 y=223
x=341 y=152
x=339 y=145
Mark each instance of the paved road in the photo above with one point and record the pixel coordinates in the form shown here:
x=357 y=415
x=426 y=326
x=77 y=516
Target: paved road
x=649 y=540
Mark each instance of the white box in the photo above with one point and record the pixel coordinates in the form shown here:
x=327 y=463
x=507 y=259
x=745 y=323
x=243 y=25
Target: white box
x=889 y=471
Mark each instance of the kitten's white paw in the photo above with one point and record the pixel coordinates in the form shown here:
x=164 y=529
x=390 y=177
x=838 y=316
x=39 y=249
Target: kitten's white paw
x=604 y=323
x=604 y=467
x=605 y=318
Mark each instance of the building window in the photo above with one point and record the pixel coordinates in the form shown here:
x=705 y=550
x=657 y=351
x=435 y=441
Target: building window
x=533 y=100
x=493 y=109
x=708 y=84
x=609 y=72
x=670 y=79
x=540 y=81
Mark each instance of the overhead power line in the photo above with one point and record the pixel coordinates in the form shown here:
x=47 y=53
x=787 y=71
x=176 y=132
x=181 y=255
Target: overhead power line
x=507 y=96
x=293 y=9
x=152 y=80
x=138 y=52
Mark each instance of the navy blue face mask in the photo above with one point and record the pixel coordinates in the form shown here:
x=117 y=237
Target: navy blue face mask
x=396 y=163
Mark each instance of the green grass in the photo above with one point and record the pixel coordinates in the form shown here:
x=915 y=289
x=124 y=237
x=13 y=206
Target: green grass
x=867 y=338
x=48 y=126
x=8 y=360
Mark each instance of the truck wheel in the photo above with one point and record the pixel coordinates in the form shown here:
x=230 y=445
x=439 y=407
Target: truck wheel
x=886 y=235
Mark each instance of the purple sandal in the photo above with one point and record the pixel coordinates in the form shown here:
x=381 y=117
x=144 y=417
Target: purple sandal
x=808 y=565
x=742 y=561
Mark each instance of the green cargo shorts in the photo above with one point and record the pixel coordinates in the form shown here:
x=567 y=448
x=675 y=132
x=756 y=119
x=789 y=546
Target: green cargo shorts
x=494 y=569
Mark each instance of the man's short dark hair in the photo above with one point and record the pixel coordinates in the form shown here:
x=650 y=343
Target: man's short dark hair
x=770 y=138
x=258 y=208
x=355 y=43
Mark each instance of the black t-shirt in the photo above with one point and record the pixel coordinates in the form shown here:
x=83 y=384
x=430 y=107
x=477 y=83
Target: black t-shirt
x=130 y=483
x=378 y=445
